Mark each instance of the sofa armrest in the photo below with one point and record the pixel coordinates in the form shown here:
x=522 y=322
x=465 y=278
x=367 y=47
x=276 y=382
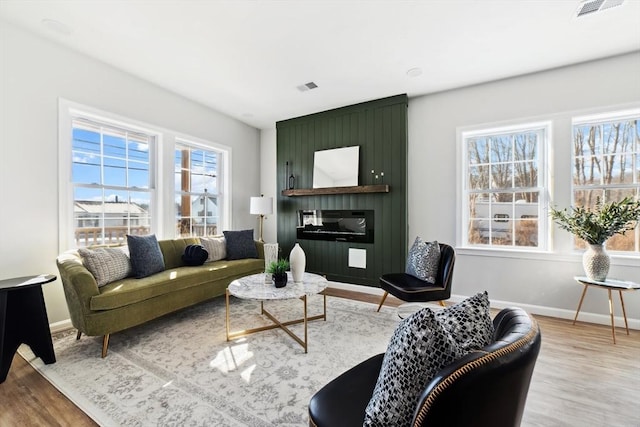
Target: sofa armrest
x=79 y=287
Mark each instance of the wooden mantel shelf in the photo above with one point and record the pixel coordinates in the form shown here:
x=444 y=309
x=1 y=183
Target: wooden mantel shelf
x=358 y=189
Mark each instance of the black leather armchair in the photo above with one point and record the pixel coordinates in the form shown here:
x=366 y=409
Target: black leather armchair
x=488 y=387
x=411 y=289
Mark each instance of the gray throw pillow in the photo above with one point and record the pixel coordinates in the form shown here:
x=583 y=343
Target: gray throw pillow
x=106 y=264
x=146 y=256
x=423 y=260
x=240 y=244
x=469 y=322
x=419 y=347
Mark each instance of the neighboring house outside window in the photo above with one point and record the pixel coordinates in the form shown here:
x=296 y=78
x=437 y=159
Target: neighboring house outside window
x=111 y=178
x=606 y=166
x=504 y=193
x=197 y=189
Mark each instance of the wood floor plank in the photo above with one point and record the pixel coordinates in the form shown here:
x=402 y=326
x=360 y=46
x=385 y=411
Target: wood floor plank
x=581 y=379
x=27 y=399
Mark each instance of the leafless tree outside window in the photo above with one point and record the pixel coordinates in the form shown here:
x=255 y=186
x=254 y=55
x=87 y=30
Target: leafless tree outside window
x=606 y=166
x=503 y=188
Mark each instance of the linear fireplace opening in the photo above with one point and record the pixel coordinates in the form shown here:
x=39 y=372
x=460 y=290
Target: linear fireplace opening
x=336 y=225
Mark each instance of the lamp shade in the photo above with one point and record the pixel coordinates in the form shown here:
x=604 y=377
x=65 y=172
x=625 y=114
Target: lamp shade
x=261 y=206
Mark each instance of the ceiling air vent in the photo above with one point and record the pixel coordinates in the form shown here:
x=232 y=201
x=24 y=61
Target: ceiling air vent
x=307 y=86
x=591 y=6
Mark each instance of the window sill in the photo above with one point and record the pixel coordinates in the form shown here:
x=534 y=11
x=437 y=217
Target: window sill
x=574 y=256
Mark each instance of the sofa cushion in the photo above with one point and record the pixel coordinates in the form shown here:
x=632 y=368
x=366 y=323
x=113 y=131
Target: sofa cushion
x=106 y=264
x=146 y=257
x=423 y=260
x=240 y=244
x=173 y=249
x=130 y=291
x=469 y=322
x=216 y=246
x=419 y=347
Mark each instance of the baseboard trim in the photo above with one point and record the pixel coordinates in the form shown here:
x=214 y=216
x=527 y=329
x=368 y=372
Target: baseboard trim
x=60 y=326
x=560 y=313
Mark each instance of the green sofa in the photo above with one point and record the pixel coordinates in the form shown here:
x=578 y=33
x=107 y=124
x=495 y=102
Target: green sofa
x=129 y=302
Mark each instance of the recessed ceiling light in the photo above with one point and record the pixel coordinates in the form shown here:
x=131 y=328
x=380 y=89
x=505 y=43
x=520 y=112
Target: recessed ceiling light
x=56 y=26
x=414 y=72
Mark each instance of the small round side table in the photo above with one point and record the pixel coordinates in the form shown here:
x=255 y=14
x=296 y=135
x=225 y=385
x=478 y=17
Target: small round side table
x=609 y=285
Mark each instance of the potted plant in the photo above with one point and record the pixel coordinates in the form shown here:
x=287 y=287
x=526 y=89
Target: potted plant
x=278 y=270
x=595 y=227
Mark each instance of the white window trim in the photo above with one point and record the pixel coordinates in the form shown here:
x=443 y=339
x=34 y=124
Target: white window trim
x=161 y=170
x=544 y=180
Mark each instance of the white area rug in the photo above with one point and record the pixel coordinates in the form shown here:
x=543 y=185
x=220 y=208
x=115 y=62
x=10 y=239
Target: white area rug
x=181 y=371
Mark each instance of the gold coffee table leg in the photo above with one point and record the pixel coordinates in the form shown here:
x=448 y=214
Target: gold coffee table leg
x=227 y=314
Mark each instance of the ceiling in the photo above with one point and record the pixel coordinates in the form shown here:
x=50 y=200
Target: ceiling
x=247 y=58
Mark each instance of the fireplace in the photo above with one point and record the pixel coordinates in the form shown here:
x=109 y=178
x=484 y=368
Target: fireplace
x=336 y=225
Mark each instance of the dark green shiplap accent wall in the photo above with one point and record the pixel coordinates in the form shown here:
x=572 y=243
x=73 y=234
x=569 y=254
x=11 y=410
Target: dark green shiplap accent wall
x=380 y=129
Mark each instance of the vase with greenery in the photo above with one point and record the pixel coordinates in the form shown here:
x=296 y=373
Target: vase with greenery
x=595 y=226
x=278 y=270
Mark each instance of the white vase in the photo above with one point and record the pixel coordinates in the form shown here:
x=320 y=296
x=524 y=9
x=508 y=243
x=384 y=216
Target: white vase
x=595 y=262
x=297 y=263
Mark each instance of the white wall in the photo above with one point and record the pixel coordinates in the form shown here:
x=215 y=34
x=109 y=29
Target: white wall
x=34 y=73
x=542 y=283
x=268 y=186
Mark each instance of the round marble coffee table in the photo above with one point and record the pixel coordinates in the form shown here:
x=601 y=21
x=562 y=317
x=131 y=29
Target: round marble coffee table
x=260 y=287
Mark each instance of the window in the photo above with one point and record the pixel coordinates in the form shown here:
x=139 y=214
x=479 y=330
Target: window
x=197 y=182
x=606 y=166
x=110 y=170
x=111 y=179
x=505 y=187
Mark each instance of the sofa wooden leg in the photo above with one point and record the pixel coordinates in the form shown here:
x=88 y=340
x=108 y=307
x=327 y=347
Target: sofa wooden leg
x=384 y=297
x=78 y=335
x=105 y=345
x=442 y=303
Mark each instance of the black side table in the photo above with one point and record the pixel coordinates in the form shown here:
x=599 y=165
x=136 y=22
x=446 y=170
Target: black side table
x=23 y=319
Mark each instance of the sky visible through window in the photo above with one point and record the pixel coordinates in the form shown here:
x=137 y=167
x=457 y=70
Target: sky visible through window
x=119 y=162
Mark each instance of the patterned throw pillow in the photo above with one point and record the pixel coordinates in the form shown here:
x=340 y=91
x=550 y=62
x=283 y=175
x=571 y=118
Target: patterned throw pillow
x=216 y=246
x=106 y=264
x=240 y=244
x=469 y=322
x=419 y=347
x=423 y=260
x=146 y=256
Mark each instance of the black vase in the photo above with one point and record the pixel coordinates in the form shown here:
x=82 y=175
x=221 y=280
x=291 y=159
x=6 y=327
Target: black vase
x=279 y=279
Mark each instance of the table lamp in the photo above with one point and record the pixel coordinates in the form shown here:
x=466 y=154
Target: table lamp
x=261 y=206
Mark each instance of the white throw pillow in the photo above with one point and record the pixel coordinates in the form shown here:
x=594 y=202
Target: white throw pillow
x=216 y=246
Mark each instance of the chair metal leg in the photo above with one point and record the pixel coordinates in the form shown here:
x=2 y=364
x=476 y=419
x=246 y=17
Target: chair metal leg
x=105 y=345
x=78 y=335
x=384 y=297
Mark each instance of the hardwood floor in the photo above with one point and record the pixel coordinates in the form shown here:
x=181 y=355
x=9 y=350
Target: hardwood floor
x=580 y=379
